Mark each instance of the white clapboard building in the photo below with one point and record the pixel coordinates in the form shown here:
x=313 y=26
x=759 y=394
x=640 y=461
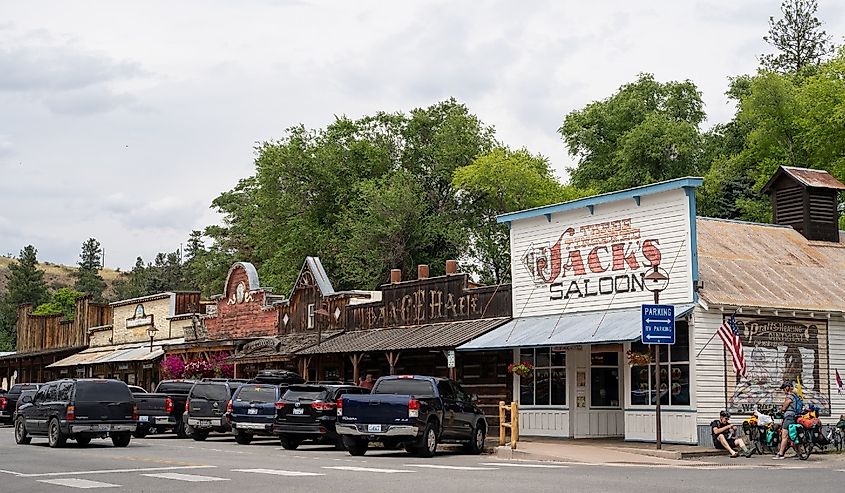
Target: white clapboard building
x=579 y=280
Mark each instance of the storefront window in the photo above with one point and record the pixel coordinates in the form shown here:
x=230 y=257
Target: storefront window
x=674 y=374
x=604 y=383
x=546 y=386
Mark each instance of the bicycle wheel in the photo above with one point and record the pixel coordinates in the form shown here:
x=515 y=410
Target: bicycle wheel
x=804 y=447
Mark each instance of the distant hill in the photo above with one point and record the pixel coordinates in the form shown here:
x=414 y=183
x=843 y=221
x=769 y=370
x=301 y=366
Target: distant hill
x=59 y=276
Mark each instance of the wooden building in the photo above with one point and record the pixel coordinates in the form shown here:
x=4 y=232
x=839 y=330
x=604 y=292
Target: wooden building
x=45 y=339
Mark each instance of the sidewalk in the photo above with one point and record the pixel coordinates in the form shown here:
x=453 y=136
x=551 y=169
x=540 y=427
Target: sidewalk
x=602 y=451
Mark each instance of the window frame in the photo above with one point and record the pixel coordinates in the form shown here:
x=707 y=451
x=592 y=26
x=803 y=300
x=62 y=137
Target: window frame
x=311 y=315
x=619 y=376
x=550 y=368
x=667 y=364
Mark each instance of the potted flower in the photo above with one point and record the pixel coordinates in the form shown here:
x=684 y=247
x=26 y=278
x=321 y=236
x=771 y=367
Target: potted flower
x=523 y=369
x=638 y=359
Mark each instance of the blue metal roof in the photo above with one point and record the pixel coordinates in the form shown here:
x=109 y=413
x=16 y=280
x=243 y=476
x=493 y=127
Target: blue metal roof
x=631 y=193
x=566 y=329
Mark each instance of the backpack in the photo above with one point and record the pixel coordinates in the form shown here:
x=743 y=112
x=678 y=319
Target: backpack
x=797 y=403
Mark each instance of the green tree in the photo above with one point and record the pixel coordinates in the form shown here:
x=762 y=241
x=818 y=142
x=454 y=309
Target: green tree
x=132 y=284
x=647 y=131
x=798 y=37
x=25 y=284
x=497 y=182
x=88 y=278
x=62 y=302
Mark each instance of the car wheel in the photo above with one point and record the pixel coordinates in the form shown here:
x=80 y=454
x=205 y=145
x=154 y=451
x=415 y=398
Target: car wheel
x=356 y=446
x=180 y=430
x=338 y=444
x=476 y=444
x=428 y=442
x=243 y=438
x=289 y=443
x=55 y=437
x=140 y=432
x=121 y=439
x=199 y=435
x=83 y=441
x=21 y=436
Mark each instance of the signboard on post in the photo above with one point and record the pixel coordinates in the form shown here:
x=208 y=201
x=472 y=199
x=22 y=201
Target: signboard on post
x=658 y=324
x=450 y=358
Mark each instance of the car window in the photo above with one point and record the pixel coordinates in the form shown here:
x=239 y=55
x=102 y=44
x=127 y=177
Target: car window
x=304 y=393
x=174 y=387
x=446 y=390
x=261 y=395
x=102 y=391
x=461 y=394
x=40 y=395
x=404 y=386
x=211 y=391
x=52 y=392
x=64 y=391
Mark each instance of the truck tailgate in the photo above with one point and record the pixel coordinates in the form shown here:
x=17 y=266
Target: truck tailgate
x=151 y=404
x=375 y=408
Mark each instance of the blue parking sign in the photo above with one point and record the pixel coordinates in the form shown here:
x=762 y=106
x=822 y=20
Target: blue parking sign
x=658 y=324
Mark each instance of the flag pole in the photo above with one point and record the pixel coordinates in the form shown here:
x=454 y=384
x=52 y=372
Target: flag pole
x=710 y=340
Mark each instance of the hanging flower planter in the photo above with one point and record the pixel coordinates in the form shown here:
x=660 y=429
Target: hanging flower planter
x=523 y=369
x=638 y=359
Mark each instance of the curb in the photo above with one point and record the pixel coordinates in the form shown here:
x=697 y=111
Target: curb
x=505 y=452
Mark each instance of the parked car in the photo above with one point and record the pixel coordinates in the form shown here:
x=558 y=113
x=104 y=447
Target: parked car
x=137 y=390
x=79 y=410
x=251 y=410
x=10 y=399
x=154 y=411
x=277 y=377
x=417 y=412
x=177 y=391
x=205 y=407
x=309 y=411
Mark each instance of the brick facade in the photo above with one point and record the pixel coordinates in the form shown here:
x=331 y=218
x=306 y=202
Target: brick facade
x=244 y=310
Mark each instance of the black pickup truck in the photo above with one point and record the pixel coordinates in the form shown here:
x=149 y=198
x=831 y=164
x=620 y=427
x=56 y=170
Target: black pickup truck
x=80 y=410
x=417 y=412
x=10 y=399
x=162 y=410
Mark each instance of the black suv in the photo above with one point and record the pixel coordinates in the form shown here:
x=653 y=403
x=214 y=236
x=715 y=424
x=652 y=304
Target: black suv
x=9 y=400
x=206 y=407
x=80 y=410
x=309 y=411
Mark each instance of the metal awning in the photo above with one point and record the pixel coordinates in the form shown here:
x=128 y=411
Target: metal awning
x=566 y=329
x=123 y=353
x=427 y=336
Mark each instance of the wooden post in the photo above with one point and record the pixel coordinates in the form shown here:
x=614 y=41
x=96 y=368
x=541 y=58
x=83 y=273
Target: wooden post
x=356 y=361
x=501 y=423
x=514 y=424
x=393 y=360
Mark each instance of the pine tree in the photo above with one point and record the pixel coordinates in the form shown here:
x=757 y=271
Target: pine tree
x=25 y=285
x=88 y=279
x=798 y=37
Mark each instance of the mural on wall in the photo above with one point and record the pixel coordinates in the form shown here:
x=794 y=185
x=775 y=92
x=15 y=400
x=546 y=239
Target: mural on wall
x=777 y=350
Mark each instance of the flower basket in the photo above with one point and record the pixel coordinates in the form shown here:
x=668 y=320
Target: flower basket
x=638 y=359
x=523 y=369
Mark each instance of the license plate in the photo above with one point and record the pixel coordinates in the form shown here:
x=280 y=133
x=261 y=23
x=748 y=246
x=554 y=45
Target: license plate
x=374 y=428
x=298 y=410
x=252 y=411
x=144 y=419
x=205 y=422
x=103 y=428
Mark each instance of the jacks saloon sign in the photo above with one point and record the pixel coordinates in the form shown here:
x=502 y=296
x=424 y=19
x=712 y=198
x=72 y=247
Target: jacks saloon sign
x=600 y=261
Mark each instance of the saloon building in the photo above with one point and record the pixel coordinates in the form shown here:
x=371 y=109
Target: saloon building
x=579 y=280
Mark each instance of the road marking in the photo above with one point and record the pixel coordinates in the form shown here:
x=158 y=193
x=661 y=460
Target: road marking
x=511 y=464
x=366 y=469
x=191 y=478
x=455 y=468
x=279 y=472
x=104 y=471
x=84 y=484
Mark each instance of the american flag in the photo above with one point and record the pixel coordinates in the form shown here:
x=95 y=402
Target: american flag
x=729 y=333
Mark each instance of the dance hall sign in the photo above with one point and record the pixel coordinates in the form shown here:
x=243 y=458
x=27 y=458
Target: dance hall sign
x=579 y=261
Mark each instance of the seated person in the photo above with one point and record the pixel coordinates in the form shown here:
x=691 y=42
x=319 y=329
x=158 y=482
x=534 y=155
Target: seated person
x=724 y=435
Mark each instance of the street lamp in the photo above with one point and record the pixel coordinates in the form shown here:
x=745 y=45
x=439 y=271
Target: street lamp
x=656 y=281
x=152 y=331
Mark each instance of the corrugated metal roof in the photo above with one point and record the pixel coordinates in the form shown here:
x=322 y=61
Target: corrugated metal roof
x=769 y=266
x=122 y=353
x=282 y=346
x=320 y=276
x=442 y=335
x=814 y=177
x=567 y=329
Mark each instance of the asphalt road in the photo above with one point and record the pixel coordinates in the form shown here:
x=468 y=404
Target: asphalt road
x=167 y=464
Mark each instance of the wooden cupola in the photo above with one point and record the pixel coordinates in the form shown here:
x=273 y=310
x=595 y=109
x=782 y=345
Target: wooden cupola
x=807 y=200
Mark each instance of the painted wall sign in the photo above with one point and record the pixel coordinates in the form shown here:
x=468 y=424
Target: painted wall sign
x=578 y=261
x=778 y=350
x=139 y=318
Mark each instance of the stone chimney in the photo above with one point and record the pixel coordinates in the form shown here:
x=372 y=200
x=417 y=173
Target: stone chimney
x=395 y=276
x=451 y=267
x=807 y=200
x=422 y=271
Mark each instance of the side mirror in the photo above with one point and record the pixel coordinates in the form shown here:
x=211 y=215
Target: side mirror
x=27 y=399
x=473 y=398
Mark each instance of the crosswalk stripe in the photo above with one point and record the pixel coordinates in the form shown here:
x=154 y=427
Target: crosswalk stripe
x=454 y=468
x=517 y=464
x=279 y=472
x=78 y=483
x=191 y=478
x=366 y=469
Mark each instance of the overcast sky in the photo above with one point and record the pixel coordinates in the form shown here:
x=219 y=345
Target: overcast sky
x=122 y=121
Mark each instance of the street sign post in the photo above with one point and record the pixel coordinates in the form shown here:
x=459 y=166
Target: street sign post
x=658 y=324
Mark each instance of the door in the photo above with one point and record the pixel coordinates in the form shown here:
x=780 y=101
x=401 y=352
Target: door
x=467 y=416
x=37 y=416
x=452 y=410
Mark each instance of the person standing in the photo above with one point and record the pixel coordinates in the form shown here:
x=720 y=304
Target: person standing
x=790 y=414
